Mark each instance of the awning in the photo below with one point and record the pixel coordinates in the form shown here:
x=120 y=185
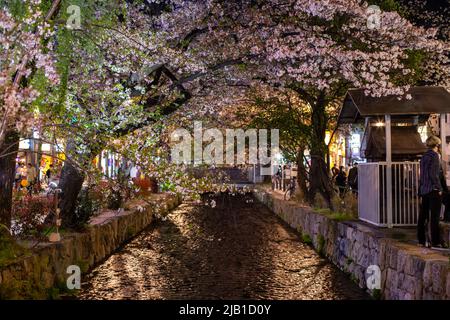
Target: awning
x=405 y=143
x=425 y=100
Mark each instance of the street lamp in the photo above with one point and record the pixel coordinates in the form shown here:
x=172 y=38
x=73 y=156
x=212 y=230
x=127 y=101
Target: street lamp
x=379 y=124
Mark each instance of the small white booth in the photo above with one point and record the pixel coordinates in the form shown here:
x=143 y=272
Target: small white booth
x=388 y=183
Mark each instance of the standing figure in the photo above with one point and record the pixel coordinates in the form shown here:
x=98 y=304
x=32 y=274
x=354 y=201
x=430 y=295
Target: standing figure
x=430 y=190
x=353 y=178
x=17 y=176
x=334 y=172
x=341 y=181
x=48 y=173
x=31 y=177
x=23 y=183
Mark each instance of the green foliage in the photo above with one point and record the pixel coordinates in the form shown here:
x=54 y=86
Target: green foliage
x=64 y=55
x=319 y=202
x=306 y=239
x=17 y=8
x=376 y=294
x=60 y=290
x=9 y=249
x=345 y=208
x=290 y=117
x=14 y=290
x=337 y=216
x=168 y=186
x=86 y=207
x=387 y=5
x=321 y=245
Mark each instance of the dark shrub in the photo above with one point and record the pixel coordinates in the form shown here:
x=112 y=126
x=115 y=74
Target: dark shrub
x=29 y=215
x=88 y=204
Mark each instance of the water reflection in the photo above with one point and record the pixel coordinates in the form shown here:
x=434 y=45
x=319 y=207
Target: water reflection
x=237 y=250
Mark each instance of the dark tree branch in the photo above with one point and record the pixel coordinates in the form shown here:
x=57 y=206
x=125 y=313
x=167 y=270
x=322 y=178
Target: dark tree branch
x=213 y=68
x=190 y=37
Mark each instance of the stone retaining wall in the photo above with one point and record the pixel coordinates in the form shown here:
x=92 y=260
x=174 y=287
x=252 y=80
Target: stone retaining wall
x=445 y=233
x=407 y=271
x=41 y=273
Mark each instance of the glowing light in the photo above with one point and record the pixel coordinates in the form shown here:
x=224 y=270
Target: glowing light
x=46 y=147
x=327 y=137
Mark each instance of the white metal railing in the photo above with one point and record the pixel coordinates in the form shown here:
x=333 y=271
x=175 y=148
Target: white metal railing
x=373 y=191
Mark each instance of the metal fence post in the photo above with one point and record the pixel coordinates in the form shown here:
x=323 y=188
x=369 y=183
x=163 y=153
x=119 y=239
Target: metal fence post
x=388 y=170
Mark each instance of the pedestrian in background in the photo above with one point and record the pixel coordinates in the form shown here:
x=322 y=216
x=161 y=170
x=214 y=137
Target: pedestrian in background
x=48 y=173
x=430 y=190
x=353 y=178
x=23 y=183
x=31 y=178
x=334 y=172
x=18 y=176
x=341 y=181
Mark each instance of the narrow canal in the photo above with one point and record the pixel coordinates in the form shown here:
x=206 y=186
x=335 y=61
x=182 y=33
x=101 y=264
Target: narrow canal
x=237 y=250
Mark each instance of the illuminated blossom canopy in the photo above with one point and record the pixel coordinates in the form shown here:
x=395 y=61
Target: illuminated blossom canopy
x=134 y=64
x=20 y=43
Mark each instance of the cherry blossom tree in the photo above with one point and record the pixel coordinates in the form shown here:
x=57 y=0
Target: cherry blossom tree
x=324 y=48
x=318 y=49
x=136 y=66
x=25 y=59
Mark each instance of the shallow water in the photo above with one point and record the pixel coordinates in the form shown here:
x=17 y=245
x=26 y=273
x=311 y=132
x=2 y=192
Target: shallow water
x=237 y=250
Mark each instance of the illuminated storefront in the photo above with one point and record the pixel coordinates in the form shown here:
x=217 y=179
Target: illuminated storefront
x=108 y=163
x=336 y=149
x=41 y=155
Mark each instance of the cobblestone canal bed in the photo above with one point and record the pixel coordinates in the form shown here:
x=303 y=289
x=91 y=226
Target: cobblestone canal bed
x=237 y=250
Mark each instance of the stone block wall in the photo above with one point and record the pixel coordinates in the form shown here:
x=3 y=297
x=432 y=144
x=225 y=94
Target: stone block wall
x=407 y=271
x=38 y=273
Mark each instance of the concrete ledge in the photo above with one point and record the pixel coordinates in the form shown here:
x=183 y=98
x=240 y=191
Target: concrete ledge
x=407 y=271
x=36 y=275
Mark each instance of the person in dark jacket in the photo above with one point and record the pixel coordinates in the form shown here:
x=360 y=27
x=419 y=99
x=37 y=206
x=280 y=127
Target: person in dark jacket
x=341 y=181
x=353 y=178
x=334 y=172
x=430 y=189
x=445 y=196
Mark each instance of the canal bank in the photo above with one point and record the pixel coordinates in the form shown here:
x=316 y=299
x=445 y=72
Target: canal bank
x=42 y=271
x=407 y=271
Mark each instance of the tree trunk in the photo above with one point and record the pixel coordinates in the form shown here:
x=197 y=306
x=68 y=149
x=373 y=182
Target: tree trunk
x=70 y=184
x=328 y=158
x=319 y=176
x=7 y=174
